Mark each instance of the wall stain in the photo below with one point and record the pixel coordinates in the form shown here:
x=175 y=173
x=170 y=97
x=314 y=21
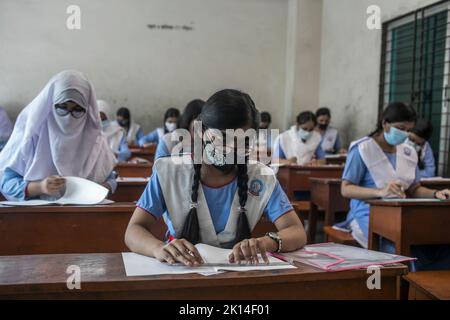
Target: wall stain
x=170 y=27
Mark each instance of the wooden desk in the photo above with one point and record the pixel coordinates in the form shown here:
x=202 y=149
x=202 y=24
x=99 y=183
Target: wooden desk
x=103 y=277
x=145 y=153
x=66 y=229
x=407 y=224
x=338 y=160
x=296 y=178
x=437 y=184
x=128 y=191
x=136 y=170
x=325 y=194
x=429 y=285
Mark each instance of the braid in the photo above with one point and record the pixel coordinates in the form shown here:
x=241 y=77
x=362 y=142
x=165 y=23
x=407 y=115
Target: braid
x=243 y=228
x=191 y=228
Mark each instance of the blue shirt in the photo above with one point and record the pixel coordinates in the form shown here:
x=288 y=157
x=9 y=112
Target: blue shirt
x=124 y=151
x=13 y=185
x=278 y=152
x=162 y=150
x=337 y=146
x=219 y=202
x=430 y=165
x=356 y=172
x=152 y=137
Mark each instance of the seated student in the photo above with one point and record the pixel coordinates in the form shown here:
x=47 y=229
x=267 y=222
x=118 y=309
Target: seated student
x=300 y=144
x=264 y=136
x=6 y=128
x=132 y=129
x=114 y=134
x=170 y=124
x=383 y=166
x=331 y=142
x=418 y=139
x=213 y=200
x=58 y=134
x=170 y=142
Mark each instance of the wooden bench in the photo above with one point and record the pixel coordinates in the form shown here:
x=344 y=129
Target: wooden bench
x=338 y=236
x=429 y=285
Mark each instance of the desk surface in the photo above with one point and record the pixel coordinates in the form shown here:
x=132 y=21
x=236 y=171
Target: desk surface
x=108 y=208
x=381 y=203
x=433 y=284
x=315 y=167
x=326 y=181
x=103 y=274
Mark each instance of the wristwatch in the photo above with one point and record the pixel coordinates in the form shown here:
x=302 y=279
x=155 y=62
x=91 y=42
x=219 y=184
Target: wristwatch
x=275 y=237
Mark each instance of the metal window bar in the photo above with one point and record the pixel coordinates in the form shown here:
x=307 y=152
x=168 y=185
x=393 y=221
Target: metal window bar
x=415 y=67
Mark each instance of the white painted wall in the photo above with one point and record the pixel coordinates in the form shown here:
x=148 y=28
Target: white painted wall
x=235 y=43
x=350 y=61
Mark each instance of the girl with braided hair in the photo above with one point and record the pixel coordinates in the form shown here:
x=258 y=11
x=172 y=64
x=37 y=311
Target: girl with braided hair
x=217 y=200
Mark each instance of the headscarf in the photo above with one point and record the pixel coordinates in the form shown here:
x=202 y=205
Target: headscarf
x=111 y=130
x=44 y=144
x=6 y=125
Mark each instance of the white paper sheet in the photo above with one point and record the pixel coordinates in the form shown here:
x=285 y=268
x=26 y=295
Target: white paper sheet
x=216 y=261
x=78 y=191
x=412 y=200
x=132 y=179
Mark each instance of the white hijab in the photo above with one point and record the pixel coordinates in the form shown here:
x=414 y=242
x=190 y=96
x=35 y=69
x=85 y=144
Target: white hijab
x=6 y=126
x=112 y=131
x=44 y=144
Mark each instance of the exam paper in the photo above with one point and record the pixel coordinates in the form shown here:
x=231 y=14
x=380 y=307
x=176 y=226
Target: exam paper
x=216 y=261
x=411 y=200
x=78 y=191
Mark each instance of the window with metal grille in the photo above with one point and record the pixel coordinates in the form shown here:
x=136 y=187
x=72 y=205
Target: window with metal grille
x=415 y=68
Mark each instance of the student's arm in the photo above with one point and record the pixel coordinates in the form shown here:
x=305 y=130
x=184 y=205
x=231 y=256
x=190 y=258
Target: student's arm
x=111 y=182
x=290 y=229
x=124 y=151
x=430 y=164
x=139 y=238
x=353 y=175
x=152 y=137
x=13 y=185
x=418 y=191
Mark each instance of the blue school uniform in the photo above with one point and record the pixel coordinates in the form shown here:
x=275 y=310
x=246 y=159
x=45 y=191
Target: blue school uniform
x=356 y=172
x=321 y=154
x=152 y=137
x=219 y=202
x=13 y=185
x=278 y=152
x=430 y=165
x=124 y=151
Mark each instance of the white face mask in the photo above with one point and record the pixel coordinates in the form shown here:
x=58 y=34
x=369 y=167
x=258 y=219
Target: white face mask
x=304 y=135
x=171 y=126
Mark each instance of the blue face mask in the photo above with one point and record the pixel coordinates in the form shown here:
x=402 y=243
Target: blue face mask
x=304 y=135
x=395 y=136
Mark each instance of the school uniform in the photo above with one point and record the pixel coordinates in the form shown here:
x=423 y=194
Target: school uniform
x=44 y=144
x=427 y=158
x=134 y=133
x=288 y=145
x=6 y=128
x=369 y=166
x=168 y=195
x=171 y=145
x=153 y=137
x=330 y=142
x=265 y=138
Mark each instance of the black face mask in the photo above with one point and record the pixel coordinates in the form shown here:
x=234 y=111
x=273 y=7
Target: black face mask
x=123 y=123
x=323 y=126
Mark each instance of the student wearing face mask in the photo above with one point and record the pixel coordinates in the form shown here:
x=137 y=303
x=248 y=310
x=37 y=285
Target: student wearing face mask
x=212 y=199
x=418 y=139
x=170 y=143
x=170 y=124
x=330 y=142
x=6 y=128
x=132 y=129
x=381 y=165
x=264 y=134
x=300 y=144
x=57 y=135
x=114 y=134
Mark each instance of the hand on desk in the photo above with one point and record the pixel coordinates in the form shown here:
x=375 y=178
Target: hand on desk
x=247 y=251
x=179 y=250
x=393 y=190
x=443 y=194
x=52 y=185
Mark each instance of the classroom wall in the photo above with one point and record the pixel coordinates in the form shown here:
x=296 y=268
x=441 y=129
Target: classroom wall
x=233 y=43
x=350 y=61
